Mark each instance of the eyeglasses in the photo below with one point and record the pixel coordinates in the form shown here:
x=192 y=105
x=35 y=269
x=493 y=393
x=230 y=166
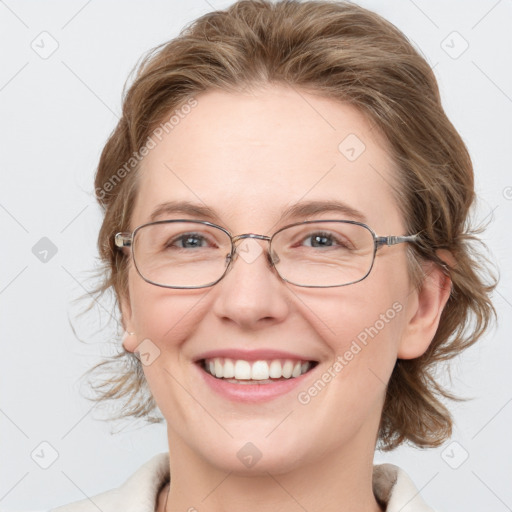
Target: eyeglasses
x=198 y=254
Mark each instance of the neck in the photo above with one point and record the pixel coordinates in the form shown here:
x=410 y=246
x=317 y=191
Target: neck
x=333 y=482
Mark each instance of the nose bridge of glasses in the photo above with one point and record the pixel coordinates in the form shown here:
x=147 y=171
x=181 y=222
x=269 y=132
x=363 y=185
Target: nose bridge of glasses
x=236 y=238
x=272 y=258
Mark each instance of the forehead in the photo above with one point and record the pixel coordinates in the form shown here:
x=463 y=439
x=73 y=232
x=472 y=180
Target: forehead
x=249 y=156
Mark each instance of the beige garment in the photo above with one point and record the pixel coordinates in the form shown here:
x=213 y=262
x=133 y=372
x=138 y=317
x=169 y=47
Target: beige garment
x=391 y=485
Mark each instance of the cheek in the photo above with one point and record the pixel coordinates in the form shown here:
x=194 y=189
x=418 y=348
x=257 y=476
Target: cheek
x=163 y=315
x=361 y=329
x=164 y=320
x=362 y=323
x=360 y=315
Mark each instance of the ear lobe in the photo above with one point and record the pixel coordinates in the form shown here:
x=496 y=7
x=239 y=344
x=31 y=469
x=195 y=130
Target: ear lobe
x=427 y=305
x=130 y=341
x=129 y=336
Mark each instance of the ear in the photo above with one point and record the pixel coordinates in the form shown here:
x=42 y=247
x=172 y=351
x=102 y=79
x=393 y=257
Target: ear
x=425 y=308
x=130 y=336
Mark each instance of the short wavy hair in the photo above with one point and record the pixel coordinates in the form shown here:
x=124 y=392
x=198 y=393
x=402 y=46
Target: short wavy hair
x=344 y=52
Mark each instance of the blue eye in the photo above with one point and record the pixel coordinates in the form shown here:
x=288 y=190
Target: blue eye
x=187 y=241
x=325 y=239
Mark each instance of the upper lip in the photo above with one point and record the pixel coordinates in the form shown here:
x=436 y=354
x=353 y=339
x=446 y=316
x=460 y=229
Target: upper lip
x=252 y=355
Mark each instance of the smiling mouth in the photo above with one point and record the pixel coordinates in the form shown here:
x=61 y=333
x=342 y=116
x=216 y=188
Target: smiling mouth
x=240 y=371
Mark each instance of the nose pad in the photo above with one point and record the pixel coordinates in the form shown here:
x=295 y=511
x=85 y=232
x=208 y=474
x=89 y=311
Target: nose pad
x=273 y=258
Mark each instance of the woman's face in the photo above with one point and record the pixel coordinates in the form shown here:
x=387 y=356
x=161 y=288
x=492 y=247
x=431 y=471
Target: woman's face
x=249 y=157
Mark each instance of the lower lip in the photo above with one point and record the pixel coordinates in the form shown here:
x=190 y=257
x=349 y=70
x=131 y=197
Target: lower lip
x=252 y=393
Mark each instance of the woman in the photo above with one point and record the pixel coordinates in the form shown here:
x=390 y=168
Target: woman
x=285 y=231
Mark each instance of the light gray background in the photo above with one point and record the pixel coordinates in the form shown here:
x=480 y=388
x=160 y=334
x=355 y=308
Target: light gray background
x=56 y=114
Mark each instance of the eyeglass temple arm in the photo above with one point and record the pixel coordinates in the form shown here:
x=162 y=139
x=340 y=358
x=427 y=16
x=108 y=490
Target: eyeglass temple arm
x=123 y=239
x=393 y=240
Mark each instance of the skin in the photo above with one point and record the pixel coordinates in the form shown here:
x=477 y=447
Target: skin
x=248 y=156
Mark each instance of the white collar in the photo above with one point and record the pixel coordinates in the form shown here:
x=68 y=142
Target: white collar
x=391 y=485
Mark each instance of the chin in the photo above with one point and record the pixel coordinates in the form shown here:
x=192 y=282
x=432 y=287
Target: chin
x=256 y=455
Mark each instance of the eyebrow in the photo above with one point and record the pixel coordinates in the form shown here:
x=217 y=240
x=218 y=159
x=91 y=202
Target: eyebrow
x=298 y=210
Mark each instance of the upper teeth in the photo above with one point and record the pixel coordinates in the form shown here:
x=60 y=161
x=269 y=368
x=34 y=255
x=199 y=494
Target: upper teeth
x=256 y=370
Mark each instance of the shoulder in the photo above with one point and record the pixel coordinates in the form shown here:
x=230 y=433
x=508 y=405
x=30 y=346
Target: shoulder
x=395 y=490
x=137 y=494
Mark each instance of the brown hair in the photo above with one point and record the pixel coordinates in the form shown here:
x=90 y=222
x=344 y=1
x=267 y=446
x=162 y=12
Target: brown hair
x=339 y=51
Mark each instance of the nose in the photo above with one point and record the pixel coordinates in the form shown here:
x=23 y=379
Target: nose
x=251 y=294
